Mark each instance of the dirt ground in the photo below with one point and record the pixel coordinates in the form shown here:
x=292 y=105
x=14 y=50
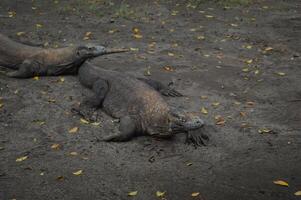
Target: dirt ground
x=239 y=67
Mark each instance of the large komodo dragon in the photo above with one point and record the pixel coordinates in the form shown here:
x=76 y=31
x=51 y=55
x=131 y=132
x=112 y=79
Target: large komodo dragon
x=29 y=61
x=138 y=104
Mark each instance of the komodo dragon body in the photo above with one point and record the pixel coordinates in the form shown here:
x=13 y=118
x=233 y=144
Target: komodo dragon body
x=138 y=103
x=29 y=61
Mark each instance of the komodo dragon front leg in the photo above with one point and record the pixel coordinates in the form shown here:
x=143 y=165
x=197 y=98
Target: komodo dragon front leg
x=27 y=69
x=164 y=90
x=89 y=106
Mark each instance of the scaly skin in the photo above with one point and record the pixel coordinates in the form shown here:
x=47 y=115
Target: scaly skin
x=31 y=61
x=137 y=103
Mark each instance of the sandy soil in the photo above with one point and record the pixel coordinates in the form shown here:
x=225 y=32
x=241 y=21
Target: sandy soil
x=241 y=64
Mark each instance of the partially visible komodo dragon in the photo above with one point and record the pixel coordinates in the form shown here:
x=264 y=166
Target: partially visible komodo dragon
x=31 y=61
x=138 y=104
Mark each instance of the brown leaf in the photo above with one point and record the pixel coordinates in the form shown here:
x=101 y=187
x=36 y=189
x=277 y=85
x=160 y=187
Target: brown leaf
x=195 y=194
x=55 y=146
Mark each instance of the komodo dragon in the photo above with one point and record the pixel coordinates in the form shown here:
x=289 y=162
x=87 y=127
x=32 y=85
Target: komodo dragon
x=138 y=104
x=29 y=61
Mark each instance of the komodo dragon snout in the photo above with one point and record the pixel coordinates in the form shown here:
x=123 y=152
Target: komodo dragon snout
x=93 y=50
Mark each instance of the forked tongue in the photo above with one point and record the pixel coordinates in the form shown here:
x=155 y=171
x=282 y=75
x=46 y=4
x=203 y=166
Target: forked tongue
x=111 y=51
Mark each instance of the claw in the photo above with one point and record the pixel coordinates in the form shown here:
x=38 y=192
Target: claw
x=197 y=140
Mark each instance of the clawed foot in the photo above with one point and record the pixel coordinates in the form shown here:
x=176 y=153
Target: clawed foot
x=197 y=139
x=115 y=138
x=88 y=114
x=171 y=93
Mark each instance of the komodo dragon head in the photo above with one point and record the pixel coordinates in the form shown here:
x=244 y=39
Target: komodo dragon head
x=179 y=121
x=93 y=50
x=182 y=121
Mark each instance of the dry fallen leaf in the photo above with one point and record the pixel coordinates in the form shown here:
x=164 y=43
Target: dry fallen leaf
x=73 y=153
x=298 y=193
x=133 y=193
x=77 y=173
x=189 y=164
x=209 y=16
x=20 y=33
x=281 y=183
x=73 y=130
x=160 y=194
x=268 y=49
x=281 y=73
x=20 y=159
x=219 y=120
x=204 y=110
x=249 y=61
x=55 y=146
x=36 y=78
x=195 y=194
x=215 y=104
x=264 y=130
x=60 y=178
x=39 y=25
x=82 y=120
x=171 y=54
x=1 y=105
x=168 y=68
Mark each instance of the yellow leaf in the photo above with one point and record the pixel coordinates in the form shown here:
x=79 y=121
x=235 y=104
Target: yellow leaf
x=215 y=104
x=62 y=79
x=201 y=37
x=39 y=25
x=20 y=33
x=281 y=73
x=249 y=61
x=195 y=194
x=256 y=72
x=264 y=130
x=77 y=173
x=209 y=16
x=73 y=130
x=73 y=153
x=21 y=159
x=248 y=47
x=86 y=38
x=234 y=25
x=204 y=97
x=12 y=14
x=268 y=49
x=137 y=36
x=95 y=123
x=189 y=164
x=245 y=69
x=298 y=193
x=204 y=111
x=136 y=30
x=1 y=105
x=133 y=193
x=192 y=29
x=82 y=120
x=281 y=183
x=55 y=146
x=36 y=78
x=171 y=54
x=134 y=49
x=160 y=194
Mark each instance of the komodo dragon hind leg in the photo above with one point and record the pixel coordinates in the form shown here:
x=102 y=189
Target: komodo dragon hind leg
x=88 y=108
x=164 y=90
x=25 y=70
x=127 y=130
